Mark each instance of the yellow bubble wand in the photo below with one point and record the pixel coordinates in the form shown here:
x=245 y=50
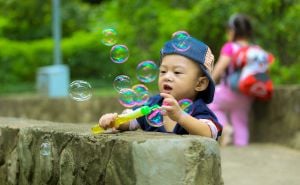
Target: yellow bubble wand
x=124 y=118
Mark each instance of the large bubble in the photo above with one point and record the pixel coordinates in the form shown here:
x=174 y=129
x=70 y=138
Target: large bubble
x=155 y=118
x=119 y=54
x=122 y=82
x=147 y=71
x=127 y=97
x=181 y=41
x=142 y=94
x=109 y=36
x=80 y=90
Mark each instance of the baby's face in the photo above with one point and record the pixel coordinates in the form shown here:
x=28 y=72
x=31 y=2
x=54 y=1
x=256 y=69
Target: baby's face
x=179 y=76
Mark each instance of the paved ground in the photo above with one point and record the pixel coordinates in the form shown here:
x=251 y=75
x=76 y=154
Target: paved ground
x=260 y=164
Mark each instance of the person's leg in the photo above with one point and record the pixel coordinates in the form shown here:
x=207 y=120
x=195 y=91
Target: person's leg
x=218 y=106
x=239 y=119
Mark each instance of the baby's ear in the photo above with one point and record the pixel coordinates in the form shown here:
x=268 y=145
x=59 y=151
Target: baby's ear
x=202 y=83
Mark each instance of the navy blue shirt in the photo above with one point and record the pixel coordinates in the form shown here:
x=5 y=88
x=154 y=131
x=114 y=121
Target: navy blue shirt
x=200 y=111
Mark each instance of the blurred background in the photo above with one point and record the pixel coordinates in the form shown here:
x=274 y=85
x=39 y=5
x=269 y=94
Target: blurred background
x=27 y=45
x=26 y=37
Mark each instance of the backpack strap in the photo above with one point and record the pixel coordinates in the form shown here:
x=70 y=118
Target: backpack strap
x=239 y=59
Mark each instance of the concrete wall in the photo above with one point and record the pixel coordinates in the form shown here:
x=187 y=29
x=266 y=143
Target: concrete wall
x=57 y=110
x=41 y=152
x=278 y=121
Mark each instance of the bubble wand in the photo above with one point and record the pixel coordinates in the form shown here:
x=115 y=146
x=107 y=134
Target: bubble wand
x=124 y=118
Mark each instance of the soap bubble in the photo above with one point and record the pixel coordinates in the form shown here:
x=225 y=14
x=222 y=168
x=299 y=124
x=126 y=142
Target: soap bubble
x=45 y=149
x=127 y=97
x=122 y=82
x=181 y=40
x=155 y=118
x=142 y=94
x=119 y=54
x=80 y=90
x=186 y=105
x=147 y=71
x=109 y=36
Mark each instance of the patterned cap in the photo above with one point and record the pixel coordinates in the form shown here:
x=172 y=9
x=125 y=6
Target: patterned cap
x=200 y=53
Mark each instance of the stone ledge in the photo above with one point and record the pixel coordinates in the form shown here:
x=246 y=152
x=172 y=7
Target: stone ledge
x=77 y=157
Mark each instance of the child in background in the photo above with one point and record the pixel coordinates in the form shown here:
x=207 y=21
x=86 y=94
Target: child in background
x=231 y=106
x=182 y=74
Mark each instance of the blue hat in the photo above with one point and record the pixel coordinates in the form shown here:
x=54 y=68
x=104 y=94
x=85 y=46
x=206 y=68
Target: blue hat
x=199 y=53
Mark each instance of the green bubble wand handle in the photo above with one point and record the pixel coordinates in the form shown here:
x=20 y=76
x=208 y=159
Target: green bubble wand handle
x=124 y=118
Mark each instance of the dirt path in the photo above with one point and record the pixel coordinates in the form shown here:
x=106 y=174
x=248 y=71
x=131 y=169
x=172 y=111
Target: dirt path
x=260 y=164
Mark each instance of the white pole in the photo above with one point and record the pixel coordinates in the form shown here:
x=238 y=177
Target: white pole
x=56 y=30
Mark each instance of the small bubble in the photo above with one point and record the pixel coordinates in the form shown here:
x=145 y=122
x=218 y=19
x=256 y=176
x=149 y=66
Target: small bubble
x=122 y=82
x=80 y=90
x=147 y=71
x=127 y=98
x=142 y=94
x=109 y=36
x=119 y=54
x=186 y=105
x=181 y=40
x=45 y=149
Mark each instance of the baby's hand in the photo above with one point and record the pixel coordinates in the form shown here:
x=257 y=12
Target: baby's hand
x=107 y=120
x=171 y=107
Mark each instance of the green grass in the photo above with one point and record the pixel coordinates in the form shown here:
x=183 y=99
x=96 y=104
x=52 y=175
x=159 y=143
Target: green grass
x=17 y=88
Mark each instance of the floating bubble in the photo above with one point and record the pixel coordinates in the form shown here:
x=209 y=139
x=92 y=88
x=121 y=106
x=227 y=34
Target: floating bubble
x=45 y=149
x=142 y=94
x=155 y=118
x=181 y=40
x=147 y=71
x=119 y=54
x=186 y=105
x=122 y=82
x=80 y=90
x=109 y=36
x=127 y=97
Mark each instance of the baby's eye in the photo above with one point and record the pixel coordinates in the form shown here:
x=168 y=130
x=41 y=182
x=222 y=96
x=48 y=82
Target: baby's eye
x=178 y=72
x=162 y=71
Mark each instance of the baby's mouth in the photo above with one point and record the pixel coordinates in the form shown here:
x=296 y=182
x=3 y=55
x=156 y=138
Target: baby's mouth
x=167 y=88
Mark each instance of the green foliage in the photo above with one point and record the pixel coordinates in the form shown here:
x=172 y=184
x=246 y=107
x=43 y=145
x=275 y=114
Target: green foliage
x=82 y=52
x=25 y=34
x=281 y=74
x=32 y=19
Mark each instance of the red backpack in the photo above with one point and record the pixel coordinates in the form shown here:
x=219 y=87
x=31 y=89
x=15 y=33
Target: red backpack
x=251 y=76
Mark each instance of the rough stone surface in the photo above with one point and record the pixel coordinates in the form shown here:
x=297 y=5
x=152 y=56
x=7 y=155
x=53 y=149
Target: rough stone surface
x=77 y=157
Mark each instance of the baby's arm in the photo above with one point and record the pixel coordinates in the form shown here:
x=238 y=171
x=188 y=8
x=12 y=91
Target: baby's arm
x=107 y=121
x=192 y=125
x=196 y=126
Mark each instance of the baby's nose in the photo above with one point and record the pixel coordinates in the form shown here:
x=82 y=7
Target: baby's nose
x=169 y=76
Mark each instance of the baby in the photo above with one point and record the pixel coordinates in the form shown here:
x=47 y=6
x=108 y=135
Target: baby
x=183 y=74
